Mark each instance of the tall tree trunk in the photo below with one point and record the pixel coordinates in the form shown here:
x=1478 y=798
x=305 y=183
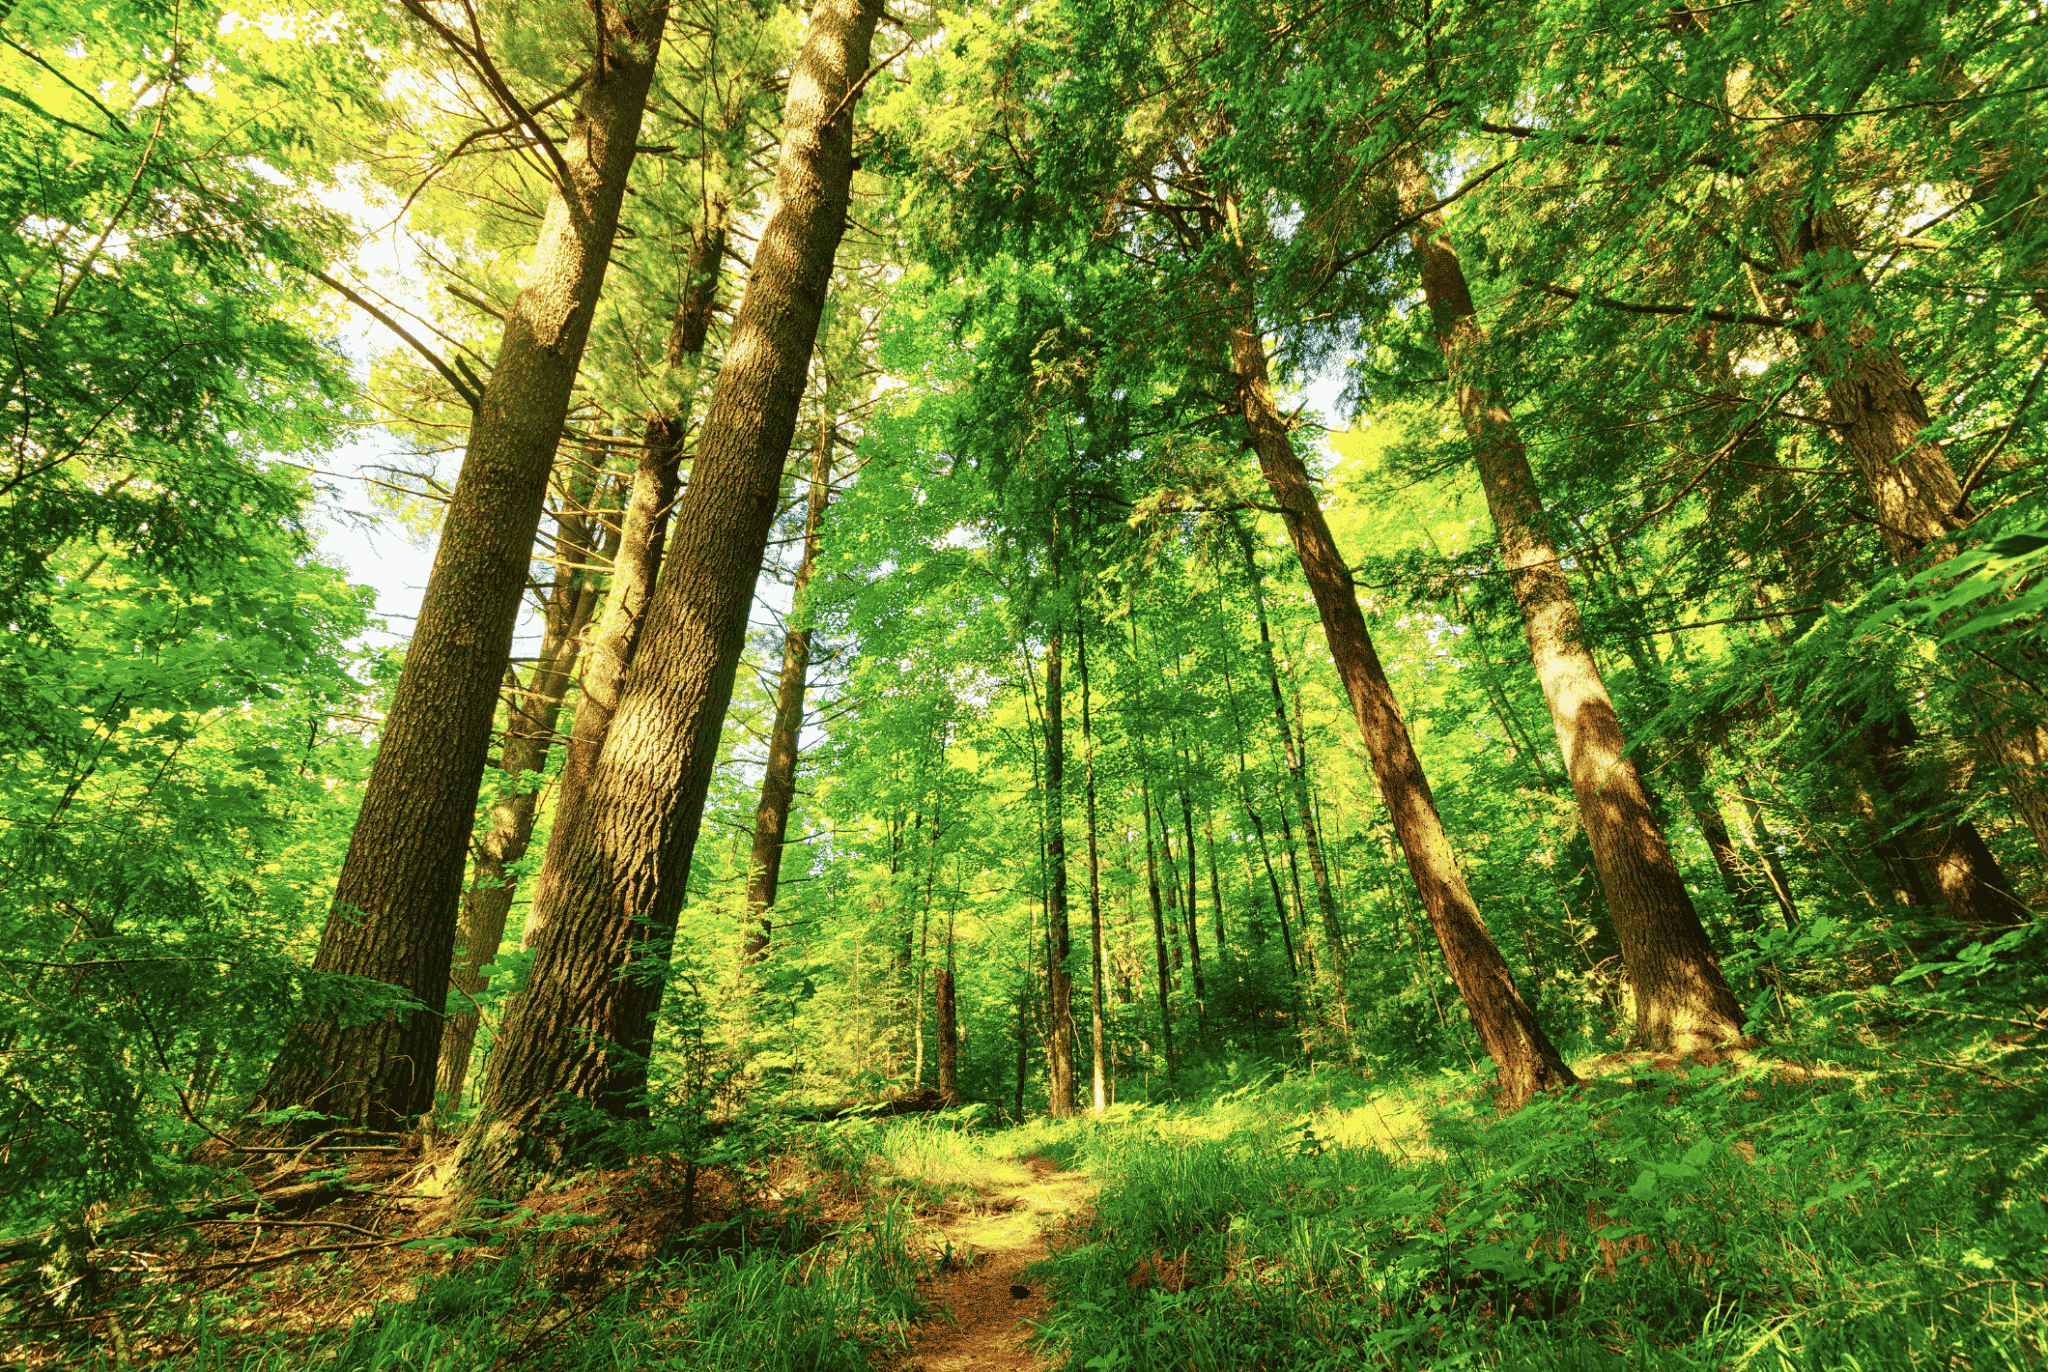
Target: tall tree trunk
x=1215 y=880
x=530 y=716
x=397 y=898
x=778 y=779
x=1158 y=927
x=1100 y=1093
x=1194 y=909
x=924 y=942
x=645 y=529
x=611 y=889
x=949 y=1024
x=1766 y=847
x=1881 y=415
x=1528 y=1062
x=1292 y=751
x=1059 y=940
x=1683 y=1003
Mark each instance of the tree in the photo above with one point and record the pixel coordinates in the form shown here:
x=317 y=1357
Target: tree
x=1682 y=1002
x=396 y=902
x=612 y=883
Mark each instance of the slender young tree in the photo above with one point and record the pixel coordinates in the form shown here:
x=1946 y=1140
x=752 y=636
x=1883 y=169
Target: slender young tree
x=612 y=884
x=1059 y=939
x=1100 y=1092
x=399 y=892
x=644 y=531
x=1158 y=925
x=778 y=778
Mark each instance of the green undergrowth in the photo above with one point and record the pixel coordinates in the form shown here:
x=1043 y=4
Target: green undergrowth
x=1768 y=1218
x=813 y=1294
x=930 y=1160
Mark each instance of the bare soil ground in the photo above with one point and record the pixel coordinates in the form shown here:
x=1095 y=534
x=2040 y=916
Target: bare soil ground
x=980 y=1320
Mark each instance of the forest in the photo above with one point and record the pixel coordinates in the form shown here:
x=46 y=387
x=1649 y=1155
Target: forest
x=1207 y=684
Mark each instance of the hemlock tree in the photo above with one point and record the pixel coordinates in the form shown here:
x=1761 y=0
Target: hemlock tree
x=397 y=900
x=611 y=885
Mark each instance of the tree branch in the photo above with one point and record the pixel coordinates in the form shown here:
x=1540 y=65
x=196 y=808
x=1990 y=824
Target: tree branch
x=448 y=374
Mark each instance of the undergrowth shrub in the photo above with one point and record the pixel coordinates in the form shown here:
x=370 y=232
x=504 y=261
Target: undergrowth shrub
x=1687 y=1219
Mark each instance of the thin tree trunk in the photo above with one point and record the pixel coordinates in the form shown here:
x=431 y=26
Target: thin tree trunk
x=1292 y=751
x=1528 y=1062
x=1158 y=927
x=611 y=890
x=1683 y=1003
x=643 y=534
x=1194 y=909
x=1766 y=848
x=949 y=1025
x=778 y=779
x=530 y=717
x=399 y=891
x=1059 y=940
x=1265 y=852
x=1100 y=1095
x=1215 y=880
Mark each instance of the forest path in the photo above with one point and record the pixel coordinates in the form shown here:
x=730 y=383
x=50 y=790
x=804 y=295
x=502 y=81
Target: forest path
x=979 y=1321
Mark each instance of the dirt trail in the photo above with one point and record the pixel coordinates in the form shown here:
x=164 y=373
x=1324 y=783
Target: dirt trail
x=979 y=1321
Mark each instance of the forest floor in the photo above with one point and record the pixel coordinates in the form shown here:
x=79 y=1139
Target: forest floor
x=981 y=1311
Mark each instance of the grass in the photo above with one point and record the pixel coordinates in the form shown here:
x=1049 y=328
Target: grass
x=1716 y=1219
x=1865 y=1216
x=823 y=1281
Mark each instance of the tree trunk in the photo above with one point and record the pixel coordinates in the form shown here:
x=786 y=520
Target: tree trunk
x=1265 y=852
x=400 y=886
x=949 y=1026
x=1880 y=414
x=645 y=529
x=1528 y=1062
x=611 y=889
x=1059 y=940
x=1683 y=1003
x=1766 y=848
x=530 y=717
x=1193 y=912
x=1100 y=1093
x=778 y=780
x=1158 y=926
x=1291 y=751
x=1215 y=880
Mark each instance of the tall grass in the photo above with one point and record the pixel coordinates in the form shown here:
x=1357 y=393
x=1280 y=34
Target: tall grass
x=1702 y=1220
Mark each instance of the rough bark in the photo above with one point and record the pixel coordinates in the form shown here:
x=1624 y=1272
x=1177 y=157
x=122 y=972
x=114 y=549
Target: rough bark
x=1683 y=1003
x=1528 y=1062
x=644 y=532
x=612 y=887
x=400 y=886
x=530 y=716
x=778 y=779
